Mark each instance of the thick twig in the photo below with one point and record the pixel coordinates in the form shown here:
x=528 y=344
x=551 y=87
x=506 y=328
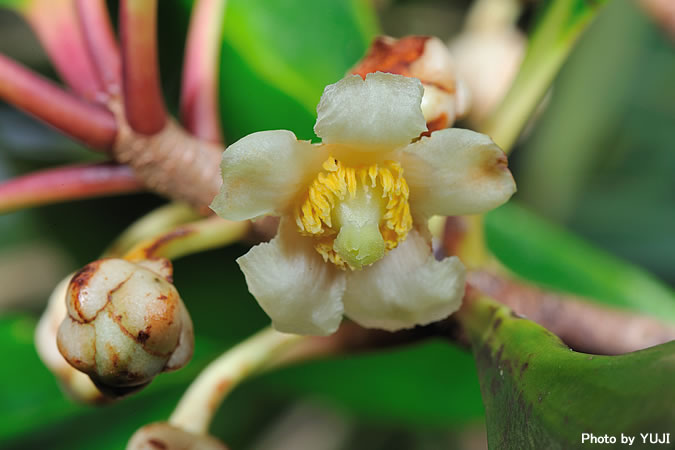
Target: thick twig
x=67 y=183
x=89 y=123
x=582 y=325
x=171 y=162
x=57 y=26
x=101 y=43
x=199 y=93
x=143 y=100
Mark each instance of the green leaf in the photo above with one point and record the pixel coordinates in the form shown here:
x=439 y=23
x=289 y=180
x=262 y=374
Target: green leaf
x=278 y=56
x=540 y=394
x=430 y=384
x=14 y=4
x=547 y=254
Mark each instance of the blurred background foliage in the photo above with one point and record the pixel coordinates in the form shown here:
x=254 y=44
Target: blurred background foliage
x=598 y=163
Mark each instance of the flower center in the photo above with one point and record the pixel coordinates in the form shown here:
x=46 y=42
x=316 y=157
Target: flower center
x=356 y=214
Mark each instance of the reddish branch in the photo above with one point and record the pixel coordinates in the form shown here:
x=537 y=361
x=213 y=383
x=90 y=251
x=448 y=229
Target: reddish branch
x=67 y=183
x=87 y=122
x=134 y=127
x=143 y=101
x=199 y=94
x=101 y=44
x=57 y=26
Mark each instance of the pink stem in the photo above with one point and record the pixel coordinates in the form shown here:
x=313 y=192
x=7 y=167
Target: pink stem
x=199 y=94
x=101 y=43
x=87 y=122
x=57 y=26
x=67 y=183
x=143 y=101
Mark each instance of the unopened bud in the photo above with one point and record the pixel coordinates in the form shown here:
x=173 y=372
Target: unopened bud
x=78 y=385
x=428 y=59
x=488 y=60
x=168 y=437
x=126 y=324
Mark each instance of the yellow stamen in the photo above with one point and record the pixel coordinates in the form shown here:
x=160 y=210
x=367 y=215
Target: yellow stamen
x=356 y=213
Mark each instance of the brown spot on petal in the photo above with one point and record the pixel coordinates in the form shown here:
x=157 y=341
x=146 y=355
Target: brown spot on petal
x=490 y=166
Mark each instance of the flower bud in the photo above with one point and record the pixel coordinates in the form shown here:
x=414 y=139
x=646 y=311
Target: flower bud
x=126 y=324
x=168 y=437
x=76 y=384
x=428 y=59
x=489 y=61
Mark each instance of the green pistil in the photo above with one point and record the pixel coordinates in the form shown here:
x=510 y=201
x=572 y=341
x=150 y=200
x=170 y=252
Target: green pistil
x=359 y=241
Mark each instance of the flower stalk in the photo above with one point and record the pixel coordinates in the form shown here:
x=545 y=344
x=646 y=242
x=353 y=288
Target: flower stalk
x=199 y=92
x=194 y=237
x=57 y=25
x=153 y=224
x=67 y=183
x=553 y=40
x=143 y=102
x=202 y=399
x=100 y=40
x=87 y=122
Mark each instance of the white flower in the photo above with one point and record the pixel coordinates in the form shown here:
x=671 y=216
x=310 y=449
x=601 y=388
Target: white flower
x=353 y=238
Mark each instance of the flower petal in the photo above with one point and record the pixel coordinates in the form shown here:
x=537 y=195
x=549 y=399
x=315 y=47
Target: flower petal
x=456 y=172
x=262 y=172
x=300 y=292
x=381 y=112
x=407 y=287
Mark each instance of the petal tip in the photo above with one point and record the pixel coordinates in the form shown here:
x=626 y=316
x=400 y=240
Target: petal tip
x=382 y=111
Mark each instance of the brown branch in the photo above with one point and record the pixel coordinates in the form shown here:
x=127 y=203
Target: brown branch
x=143 y=100
x=584 y=326
x=87 y=122
x=171 y=162
x=101 y=43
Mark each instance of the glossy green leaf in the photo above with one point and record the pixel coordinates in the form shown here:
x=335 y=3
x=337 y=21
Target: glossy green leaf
x=540 y=394
x=14 y=4
x=547 y=254
x=278 y=56
x=432 y=384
